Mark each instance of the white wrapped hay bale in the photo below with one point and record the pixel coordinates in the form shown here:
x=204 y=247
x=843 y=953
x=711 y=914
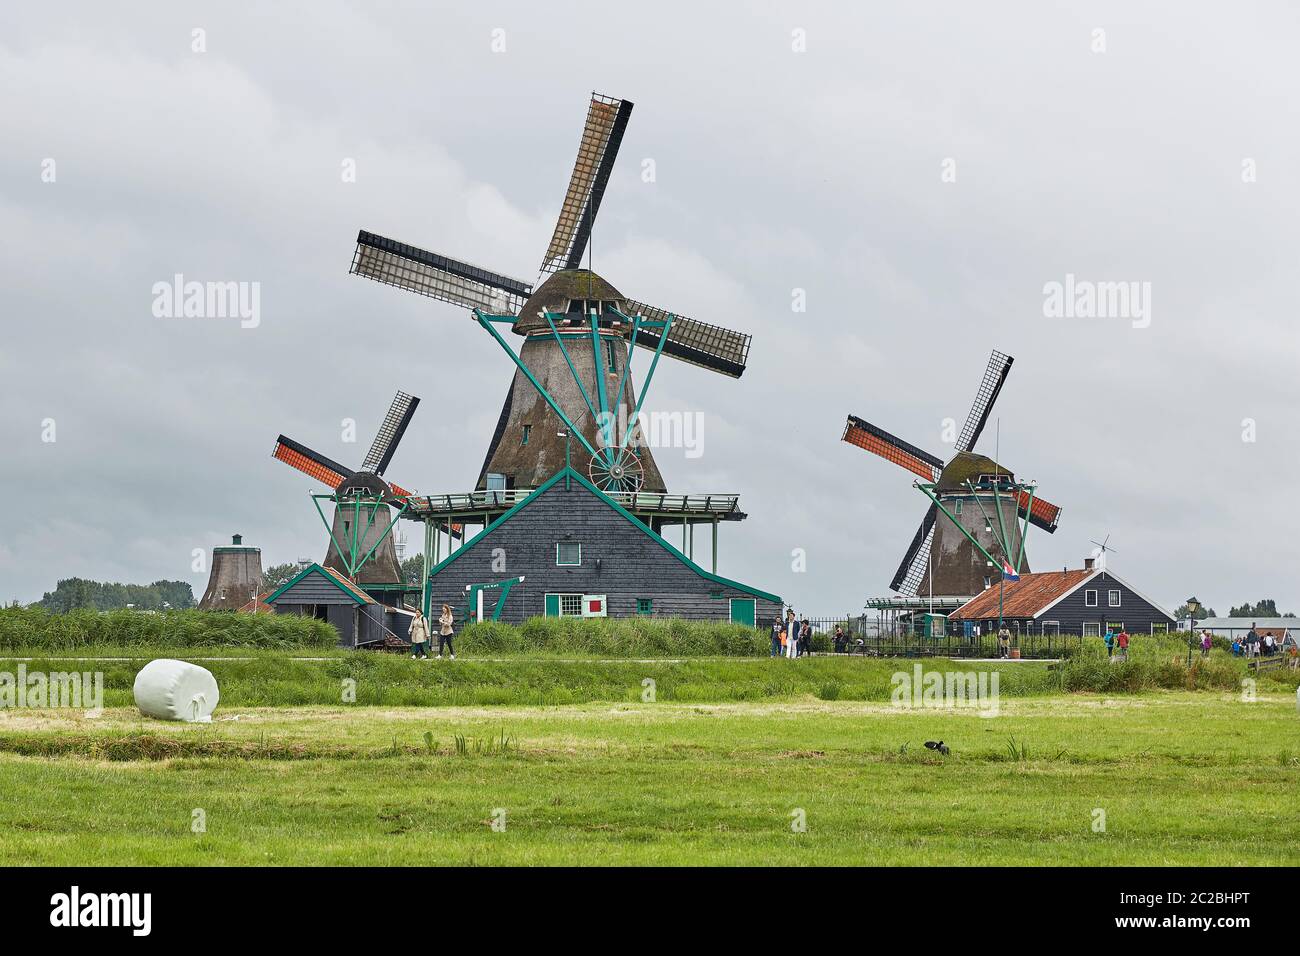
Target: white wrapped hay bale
x=175 y=690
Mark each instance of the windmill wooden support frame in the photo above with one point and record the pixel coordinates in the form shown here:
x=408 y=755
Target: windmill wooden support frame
x=615 y=464
x=1021 y=490
x=360 y=503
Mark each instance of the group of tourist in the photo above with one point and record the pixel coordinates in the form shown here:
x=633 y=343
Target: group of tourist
x=1117 y=642
x=1254 y=644
x=420 y=634
x=791 y=637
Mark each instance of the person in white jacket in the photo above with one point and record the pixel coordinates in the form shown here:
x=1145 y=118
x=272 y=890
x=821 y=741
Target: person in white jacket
x=419 y=636
x=445 y=622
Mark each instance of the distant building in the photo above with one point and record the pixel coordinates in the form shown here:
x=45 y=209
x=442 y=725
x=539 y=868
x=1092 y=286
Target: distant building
x=1085 y=601
x=1231 y=627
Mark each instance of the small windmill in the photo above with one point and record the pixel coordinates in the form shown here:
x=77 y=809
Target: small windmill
x=360 y=540
x=572 y=372
x=1100 y=554
x=961 y=563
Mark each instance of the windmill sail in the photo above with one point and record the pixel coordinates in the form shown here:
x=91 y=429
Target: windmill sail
x=908 y=577
x=892 y=448
x=390 y=433
x=439 y=277
x=601 y=136
x=311 y=463
x=694 y=342
x=995 y=375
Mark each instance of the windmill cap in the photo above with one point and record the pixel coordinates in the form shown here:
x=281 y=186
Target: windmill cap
x=968 y=466
x=554 y=295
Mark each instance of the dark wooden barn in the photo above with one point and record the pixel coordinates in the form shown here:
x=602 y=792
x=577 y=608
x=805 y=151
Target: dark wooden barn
x=1083 y=601
x=582 y=554
x=326 y=595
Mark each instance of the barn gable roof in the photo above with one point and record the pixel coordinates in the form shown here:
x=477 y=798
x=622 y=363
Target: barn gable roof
x=617 y=508
x=349 y=589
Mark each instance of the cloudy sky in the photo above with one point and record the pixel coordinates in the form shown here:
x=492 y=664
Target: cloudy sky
x=920 y=171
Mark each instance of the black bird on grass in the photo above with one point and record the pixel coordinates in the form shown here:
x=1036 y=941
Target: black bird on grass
x=938 y=745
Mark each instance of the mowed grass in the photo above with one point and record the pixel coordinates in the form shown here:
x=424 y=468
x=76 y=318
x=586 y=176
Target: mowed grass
x=1182 y=778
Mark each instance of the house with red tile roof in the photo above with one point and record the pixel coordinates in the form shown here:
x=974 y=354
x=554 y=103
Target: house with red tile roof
x=1087 y=601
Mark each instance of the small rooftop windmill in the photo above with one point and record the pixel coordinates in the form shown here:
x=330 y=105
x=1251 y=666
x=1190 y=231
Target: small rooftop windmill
x=961 y=562
x=1100 y=554
x=572 y=371
x=360 y=540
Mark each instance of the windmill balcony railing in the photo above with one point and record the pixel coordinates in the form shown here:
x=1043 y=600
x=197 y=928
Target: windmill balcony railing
x=637 y=502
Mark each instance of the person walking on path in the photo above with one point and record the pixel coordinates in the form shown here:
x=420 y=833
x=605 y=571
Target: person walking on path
x=445 y=622
x=419 y=636
x=792 y=636
x=1206 y=643
x=1122 y=640
x=1004 y=643
x=777 y=630
x=1110 y=643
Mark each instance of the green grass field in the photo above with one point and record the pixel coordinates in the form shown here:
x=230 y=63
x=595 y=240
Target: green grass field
x=716 y=772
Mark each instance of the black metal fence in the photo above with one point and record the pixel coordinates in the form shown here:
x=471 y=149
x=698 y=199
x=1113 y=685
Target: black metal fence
x=863 y=636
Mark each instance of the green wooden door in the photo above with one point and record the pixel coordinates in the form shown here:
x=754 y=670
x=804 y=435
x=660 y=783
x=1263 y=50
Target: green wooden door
x=552 y=605
x=742 y=611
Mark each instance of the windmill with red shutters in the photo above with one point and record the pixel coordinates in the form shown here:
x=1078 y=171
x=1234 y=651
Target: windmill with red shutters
x=981 y=538
x=360 y=534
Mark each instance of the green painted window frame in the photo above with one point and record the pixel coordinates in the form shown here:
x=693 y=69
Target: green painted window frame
x=568 y=564
x=956 y=507
x=527 y=431
x=645 y=606
x=554 y=603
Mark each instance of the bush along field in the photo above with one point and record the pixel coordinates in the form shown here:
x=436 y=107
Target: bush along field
x=34 y=629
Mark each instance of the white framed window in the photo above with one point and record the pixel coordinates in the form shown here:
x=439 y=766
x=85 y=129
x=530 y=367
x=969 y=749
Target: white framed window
x=956 y=507
x=988 y=582
x=1090 y=598
x=570 y=605
x=1092 y=629
x=1051 y=627
x=568 y=554
x=1113 y=597
x=1159 y=628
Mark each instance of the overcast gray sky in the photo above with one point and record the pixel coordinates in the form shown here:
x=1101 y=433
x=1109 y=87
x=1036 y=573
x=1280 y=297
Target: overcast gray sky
x=776 y=169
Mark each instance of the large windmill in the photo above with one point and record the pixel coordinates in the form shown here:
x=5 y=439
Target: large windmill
x=942 y=558
x=360 y=539
x=572 y=393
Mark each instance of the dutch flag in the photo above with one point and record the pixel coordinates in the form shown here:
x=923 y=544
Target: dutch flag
x=1008 y=572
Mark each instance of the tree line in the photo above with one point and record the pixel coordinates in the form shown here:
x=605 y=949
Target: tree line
x=72 y=594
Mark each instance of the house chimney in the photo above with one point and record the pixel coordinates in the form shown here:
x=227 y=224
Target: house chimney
x=1089 y=563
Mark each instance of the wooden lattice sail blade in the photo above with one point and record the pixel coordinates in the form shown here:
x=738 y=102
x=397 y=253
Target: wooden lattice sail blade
x=606 y=120
x=1042 y=513
x=891 y=448
x=911 y=571
x=390 y=433
x=693 y=341
x=310 y=463
x=439 y=277
x=995 y=375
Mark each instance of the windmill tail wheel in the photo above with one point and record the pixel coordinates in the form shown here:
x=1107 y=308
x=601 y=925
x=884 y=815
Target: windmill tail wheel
x=616 y=469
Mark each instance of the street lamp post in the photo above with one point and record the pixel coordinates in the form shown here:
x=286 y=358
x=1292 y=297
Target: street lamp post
x=1193 y=606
